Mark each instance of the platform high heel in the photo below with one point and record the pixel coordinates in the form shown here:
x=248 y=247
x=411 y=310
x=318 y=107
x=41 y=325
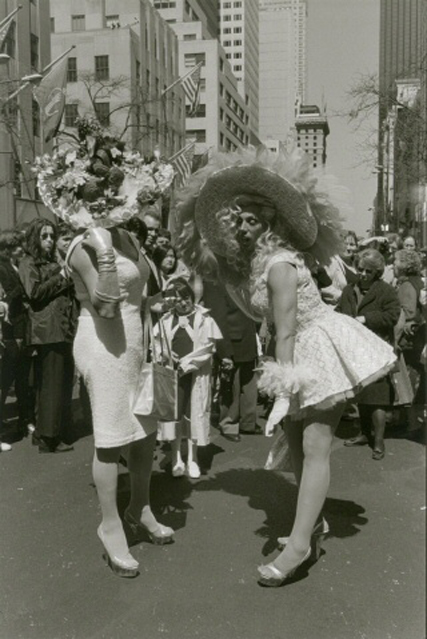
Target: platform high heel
x=322 y=528
x=272 y=577
x=126 y=567
x=161 y=536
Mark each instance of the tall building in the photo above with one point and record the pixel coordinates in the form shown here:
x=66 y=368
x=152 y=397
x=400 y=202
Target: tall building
x=125 y=57
x=299 y=12
x=277 y=77
x=222 y=118
x=28 y=49
x=312 y=130
x=239 y=35
x=401 y=193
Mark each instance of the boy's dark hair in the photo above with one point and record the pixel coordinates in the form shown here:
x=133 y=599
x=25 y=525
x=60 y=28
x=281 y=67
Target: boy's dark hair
x=138 y=227
x=165 y=233
x=10 y=239
x=180 y=286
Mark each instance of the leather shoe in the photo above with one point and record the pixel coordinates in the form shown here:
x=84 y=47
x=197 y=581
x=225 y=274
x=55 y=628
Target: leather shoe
x=62 y=447
x=359 y=440
x=230 y=436
x=258 y=430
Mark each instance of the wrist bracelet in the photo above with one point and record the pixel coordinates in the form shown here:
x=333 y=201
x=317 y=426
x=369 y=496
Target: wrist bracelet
x=103 y=297
x=106 y=260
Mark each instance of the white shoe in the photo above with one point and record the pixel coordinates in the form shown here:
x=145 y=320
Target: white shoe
x=179 y=469
x=193 y=470
x=5 y=448
x=30 y=428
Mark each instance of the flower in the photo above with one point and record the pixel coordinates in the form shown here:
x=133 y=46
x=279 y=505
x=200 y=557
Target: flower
x=97 y=182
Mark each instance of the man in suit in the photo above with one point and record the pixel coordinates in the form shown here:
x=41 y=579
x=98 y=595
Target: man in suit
x=237 y=353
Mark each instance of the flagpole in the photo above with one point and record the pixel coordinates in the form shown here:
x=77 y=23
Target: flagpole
x=51 y=64
x=181 y=79
x=178 y=153
x=11 y=14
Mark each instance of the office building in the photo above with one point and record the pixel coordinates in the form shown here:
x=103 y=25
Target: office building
x=27 y=46
x=221 y=120
x=239 y=35
x=312 y=130
x=125 y=57
x=277 y=77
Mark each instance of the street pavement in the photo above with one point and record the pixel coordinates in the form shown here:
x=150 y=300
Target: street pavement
x=368 y=584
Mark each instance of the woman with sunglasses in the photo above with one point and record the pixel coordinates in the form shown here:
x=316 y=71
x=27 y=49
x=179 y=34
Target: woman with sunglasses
x=51 y=331
x=375 y=304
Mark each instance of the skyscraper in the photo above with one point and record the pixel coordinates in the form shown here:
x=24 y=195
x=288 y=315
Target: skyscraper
x=239 y=35
x=299 y=12
x=278 y=80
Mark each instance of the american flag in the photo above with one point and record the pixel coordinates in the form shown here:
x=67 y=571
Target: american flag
x=191 y=86
x=5 y=25
x=183 y=163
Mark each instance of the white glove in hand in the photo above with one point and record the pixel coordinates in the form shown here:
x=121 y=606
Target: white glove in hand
x=278 y=412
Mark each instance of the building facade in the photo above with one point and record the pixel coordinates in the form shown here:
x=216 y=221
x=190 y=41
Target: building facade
x=125 y=57
x=221 y=120
x=26 y=51
x=239 y=35
x=277 y=77
x=401 y=190
x=312 y=130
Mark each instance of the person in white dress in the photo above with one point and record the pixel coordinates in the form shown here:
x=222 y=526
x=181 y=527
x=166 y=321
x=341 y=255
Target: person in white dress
x=241 y=213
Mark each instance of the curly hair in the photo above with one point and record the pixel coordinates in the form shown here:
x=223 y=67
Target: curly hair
x=32 y=238
x=409 y=261
x=10 y=239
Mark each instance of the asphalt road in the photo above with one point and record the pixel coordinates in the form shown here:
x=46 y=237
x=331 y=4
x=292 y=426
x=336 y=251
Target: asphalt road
x=368 y=584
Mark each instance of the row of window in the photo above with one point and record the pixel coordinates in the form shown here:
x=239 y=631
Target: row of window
x=228 y=30
x=237 y=56
x=102 y=68
x=231 y=102
x=228 y=43
x=236 y=5
x=237 y=16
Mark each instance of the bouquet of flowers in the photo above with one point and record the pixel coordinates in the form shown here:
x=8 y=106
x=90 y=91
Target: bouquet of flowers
x=97 y=182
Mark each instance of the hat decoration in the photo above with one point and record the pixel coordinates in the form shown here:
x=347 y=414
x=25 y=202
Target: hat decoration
x=96 y=181
x=308 y=204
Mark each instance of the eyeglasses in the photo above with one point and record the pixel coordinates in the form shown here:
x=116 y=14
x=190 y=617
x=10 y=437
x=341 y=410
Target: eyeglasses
x=45 y=236
x=368 y=271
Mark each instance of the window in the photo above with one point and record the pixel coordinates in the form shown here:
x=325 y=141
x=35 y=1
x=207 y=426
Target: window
x=164 y=4
x=221 y=115
x=198 y=134
x=237 y=30
x=192 y=59
x=52 y=25
x=200 y=112
x=36 y=118
x=72 y=70
x=102 y=110
x=221 y=64
x=236 y=5
x=202 y=84
x=226 y=30
x=237 y=43
x=221 y=139
x=237 y=16
x=238 y=55
x=78 y=22
x=190 y=36
x=102 y=70
x=112 y=21
x=71 y=113
x=34 y=44
x=228 y=56
x=237 y=67
x=227 y=43
x=227 y=18
x=226 y=5
x=221 y=89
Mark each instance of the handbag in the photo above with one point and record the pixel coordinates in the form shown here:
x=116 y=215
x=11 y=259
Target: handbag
x=157 y=391
x=403 y=391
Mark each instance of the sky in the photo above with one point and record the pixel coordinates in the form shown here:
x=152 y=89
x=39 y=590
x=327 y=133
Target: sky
x=342 y=45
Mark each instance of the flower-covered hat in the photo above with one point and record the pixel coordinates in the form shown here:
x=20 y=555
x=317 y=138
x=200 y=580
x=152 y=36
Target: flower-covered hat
x=97 y=182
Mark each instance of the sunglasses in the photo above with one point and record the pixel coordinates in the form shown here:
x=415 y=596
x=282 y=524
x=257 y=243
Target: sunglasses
x=368 y=271
x=44 y=236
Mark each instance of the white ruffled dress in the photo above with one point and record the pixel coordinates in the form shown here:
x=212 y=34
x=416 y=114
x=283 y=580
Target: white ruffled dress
x=339 y=354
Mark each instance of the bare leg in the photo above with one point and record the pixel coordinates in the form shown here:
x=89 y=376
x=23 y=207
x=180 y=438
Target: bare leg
x=317 y=441
x=379 y=421
x=192 y=463
x=177 y=463
x=105 y=473
x=294 y=433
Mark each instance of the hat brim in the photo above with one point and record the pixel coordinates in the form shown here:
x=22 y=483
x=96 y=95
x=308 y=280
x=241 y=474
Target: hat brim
x=223 y=186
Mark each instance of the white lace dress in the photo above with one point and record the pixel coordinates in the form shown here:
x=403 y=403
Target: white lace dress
x=340 y=355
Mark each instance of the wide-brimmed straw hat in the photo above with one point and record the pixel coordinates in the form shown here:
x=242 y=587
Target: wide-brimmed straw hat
x=292 y=211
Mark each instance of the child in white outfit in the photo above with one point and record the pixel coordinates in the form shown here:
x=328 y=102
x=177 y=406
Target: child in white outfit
x=191 y=334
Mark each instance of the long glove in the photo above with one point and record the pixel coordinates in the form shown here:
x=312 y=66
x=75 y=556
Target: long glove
x=278 y=412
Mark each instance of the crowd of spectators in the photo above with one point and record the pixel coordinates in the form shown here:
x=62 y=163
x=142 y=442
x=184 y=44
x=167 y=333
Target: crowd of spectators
x=380 y=281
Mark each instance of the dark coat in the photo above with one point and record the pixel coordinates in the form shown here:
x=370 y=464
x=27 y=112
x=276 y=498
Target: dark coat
x=17 y=326
x=52 y=306
x=379 y=306
x=239 y=331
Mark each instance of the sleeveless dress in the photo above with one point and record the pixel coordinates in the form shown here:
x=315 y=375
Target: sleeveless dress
x=109 y=353
x=339 y=354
